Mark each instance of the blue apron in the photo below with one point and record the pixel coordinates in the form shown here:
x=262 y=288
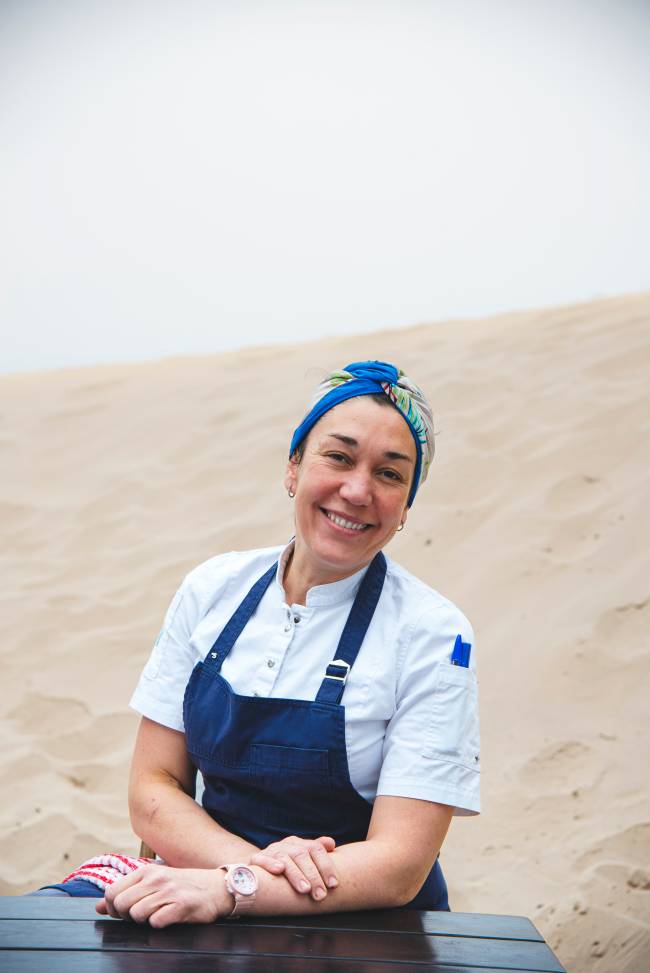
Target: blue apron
x=277 y=767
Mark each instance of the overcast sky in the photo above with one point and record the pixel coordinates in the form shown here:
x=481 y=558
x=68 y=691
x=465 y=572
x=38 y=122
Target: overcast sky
x=190 y=176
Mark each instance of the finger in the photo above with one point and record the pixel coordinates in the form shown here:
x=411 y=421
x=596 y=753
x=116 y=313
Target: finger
x=124 y=903
x=328 y=843
x=308 y=868
x=100 y=907
x=325 y=865
x=166 y=915
x=124 y=900
x=270 y=864
x=146 y=907
x=112 y=891
x=296 y=877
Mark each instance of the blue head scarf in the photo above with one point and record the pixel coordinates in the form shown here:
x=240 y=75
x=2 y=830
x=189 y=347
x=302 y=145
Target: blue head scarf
x=376 y=378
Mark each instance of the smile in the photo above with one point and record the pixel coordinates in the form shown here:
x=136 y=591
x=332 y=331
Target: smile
x=342 y=522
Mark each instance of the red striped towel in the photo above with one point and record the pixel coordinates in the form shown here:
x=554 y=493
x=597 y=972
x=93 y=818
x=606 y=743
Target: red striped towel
x=103 y=870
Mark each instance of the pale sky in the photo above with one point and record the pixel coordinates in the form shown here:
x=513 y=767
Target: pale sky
x=191 y=176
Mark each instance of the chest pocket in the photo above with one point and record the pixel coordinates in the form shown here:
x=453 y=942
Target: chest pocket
x=295 y=760
x=452 y=734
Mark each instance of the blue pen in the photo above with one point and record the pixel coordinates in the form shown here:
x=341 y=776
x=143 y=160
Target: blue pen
x=461 y=653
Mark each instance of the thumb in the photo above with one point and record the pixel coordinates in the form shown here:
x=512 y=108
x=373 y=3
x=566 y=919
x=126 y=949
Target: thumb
x=101 y=907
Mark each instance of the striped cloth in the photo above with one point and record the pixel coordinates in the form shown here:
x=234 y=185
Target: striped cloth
x=103 y=870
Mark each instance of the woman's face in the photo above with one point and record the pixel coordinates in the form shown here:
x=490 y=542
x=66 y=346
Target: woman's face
x=352 y=486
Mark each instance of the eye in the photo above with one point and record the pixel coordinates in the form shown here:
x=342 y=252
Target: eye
x=392 y=475
x=338 y=457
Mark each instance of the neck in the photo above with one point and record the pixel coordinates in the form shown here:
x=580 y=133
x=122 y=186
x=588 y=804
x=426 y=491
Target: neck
x=300 y=575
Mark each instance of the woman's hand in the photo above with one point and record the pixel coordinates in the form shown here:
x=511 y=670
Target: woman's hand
x=305 y=862
x=162 y=896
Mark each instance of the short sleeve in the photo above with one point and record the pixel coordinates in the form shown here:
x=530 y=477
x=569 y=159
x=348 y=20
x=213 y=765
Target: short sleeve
x=431 y=746
x=160 y=690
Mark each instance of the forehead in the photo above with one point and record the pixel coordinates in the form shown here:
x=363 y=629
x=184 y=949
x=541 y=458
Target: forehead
x=371 y=424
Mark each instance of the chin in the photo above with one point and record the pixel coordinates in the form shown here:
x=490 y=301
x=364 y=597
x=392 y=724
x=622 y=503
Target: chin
x=342 y=560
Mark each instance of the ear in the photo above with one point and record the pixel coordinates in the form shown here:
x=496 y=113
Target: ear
x=291 y=475
x=405 y=515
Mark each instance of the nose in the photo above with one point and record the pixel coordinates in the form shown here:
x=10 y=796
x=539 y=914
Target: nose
x=357 y=487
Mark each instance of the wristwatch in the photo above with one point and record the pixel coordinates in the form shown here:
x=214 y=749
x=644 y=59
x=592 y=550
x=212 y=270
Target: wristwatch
x=241 y=882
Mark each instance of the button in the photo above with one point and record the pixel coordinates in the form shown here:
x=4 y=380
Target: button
x=270 y=663
x=255 y=692
x=287 y=628
x=296 y=618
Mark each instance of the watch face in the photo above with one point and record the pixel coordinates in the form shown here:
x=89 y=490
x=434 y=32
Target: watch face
x=243 y=880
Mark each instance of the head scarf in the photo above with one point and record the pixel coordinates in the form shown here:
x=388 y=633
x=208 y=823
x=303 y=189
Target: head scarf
x=373 y=378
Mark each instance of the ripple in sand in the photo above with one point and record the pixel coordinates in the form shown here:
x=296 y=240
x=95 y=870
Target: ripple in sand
x=631 y=844
x=562 y=767
x=579 y=492
x=39 y=715
x=107 y=735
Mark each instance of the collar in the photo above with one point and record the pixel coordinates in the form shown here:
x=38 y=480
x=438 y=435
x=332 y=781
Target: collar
x=322 y=595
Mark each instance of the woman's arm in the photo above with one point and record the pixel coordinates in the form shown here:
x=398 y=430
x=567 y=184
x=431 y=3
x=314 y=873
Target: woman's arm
x=165 y=814
x=162 y=806
x=384 y=871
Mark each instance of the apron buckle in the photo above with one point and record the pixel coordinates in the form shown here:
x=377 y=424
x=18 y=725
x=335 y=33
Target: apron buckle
x=341 y=664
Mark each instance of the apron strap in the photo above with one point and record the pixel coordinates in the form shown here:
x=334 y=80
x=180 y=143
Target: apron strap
x=356 y=626
x=237 y=622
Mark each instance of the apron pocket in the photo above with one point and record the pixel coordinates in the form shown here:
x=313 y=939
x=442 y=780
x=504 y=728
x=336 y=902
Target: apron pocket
x=283 y=822
x=265 y=756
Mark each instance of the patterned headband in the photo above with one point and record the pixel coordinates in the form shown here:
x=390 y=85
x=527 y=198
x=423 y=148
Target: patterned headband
x=372 y=378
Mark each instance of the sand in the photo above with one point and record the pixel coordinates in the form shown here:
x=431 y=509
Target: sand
x=117 y=479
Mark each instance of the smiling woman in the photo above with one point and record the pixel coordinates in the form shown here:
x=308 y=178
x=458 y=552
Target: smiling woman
x=351 y=484
x=327 y=697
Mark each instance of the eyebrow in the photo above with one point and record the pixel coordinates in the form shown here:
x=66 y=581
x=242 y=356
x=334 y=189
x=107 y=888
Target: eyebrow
x=350 y=441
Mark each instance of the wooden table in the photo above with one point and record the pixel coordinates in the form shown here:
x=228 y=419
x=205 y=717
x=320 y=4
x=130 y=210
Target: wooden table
x=61 y=934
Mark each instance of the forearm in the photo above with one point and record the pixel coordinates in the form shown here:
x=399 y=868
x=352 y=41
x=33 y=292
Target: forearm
x=369 y=876
x=386 y=870
x=180 y=831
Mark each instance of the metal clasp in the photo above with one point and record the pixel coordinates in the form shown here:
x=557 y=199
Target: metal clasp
x=344 y=665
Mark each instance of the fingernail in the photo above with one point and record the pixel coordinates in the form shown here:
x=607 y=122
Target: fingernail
x=305 y=886
x=319 y=893
x=332 y=882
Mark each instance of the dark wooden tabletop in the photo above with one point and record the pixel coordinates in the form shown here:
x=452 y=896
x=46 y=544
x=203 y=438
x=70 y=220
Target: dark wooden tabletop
x=65 y=934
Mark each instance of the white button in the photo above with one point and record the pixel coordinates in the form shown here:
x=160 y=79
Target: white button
x=287 y=628
x=270 y=663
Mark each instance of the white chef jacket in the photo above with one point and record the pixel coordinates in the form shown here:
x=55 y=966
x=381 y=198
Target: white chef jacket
x=411 y=718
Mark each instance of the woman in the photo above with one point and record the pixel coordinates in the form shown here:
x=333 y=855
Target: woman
x=327 y=696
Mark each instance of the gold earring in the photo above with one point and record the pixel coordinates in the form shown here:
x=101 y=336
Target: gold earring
x=401 y=527
x=290 y=494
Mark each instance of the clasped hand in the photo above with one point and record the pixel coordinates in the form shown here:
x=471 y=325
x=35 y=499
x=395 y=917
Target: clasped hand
x=305 y=863
x=162 y=895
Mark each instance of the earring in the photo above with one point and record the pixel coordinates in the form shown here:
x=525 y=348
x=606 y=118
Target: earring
x=290 y=494
x=401 y=527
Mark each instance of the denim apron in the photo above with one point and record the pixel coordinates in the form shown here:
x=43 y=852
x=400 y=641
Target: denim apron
x=279 y=767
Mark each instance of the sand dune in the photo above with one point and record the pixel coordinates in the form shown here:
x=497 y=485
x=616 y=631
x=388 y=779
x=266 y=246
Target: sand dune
x=117 y=479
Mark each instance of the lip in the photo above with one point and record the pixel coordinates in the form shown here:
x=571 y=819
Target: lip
x=346 y=530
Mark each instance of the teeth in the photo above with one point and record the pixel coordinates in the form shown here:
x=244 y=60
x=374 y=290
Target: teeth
x=344 y=523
